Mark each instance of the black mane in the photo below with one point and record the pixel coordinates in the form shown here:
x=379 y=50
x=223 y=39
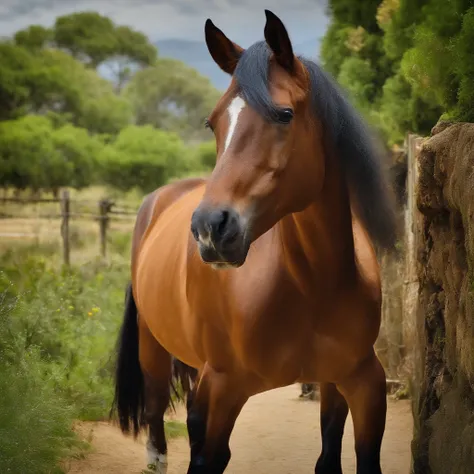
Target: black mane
x=355 y=146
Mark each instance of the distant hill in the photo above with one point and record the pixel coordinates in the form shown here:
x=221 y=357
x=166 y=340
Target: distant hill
x=196 y=55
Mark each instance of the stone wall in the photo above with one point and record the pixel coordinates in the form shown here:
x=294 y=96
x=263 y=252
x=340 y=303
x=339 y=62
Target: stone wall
x=443 y=334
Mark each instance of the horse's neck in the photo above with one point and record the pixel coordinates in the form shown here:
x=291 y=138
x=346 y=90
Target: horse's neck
x=319 y=240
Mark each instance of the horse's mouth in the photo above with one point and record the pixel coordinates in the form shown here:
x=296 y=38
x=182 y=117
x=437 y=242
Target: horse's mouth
x=223 y=260
x=225 y=265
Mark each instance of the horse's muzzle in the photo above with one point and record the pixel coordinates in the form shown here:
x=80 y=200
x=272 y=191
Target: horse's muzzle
x=220 y=236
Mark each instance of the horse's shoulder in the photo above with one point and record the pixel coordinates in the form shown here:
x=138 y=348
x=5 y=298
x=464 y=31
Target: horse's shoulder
x=154 y=203
x=163 y=197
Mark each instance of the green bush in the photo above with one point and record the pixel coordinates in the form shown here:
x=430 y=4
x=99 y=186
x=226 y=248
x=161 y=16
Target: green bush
x=143 y=157
x=34 y=154
x=58 y=330
x=35 y=419
x=411 y=70
x=465 y=68
x=71 y=319
x=206 y=155
x=357 y=76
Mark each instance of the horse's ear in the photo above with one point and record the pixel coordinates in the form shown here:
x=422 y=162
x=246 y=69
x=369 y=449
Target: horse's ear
x=225 y=53
x=279 y=42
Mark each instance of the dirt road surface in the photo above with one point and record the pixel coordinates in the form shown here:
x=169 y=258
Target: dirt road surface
x=276 y=433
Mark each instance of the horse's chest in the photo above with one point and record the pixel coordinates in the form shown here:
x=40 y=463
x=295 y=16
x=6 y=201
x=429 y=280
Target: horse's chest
x=273 y=342
x=301 y=341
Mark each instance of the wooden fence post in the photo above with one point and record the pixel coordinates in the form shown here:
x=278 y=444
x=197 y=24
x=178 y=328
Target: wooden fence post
x=65 y=213
x=104 y=208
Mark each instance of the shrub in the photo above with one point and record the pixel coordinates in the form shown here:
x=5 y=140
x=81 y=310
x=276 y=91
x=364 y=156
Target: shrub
x=71 y=319
x=35 y=420
x=143 y=157
x=34 y=154
x=206 y=155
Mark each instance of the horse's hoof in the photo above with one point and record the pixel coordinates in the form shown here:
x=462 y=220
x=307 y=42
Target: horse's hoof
x=157 y=468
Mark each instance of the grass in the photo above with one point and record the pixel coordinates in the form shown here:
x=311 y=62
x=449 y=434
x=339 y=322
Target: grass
x=175 y=429
x=58 y=329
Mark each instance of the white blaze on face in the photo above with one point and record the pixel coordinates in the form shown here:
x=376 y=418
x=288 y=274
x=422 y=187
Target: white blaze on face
x=234 y=109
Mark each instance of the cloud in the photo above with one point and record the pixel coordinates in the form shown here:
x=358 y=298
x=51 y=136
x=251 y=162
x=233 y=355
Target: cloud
x=241 y=20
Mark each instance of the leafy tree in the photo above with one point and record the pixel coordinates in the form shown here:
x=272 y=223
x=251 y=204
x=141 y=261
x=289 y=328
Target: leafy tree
x=81 y=152
x=133 y=50
x=465 y=68
x=400 y=111
x=413 y=68
x=96 y=40
x=351 y=12
x=28 y=157
x=16 y=65
x=33 y=154
x=49 y=80
x=88 y=36
x=65 y=86
x=399 y=27
x=357 y=76
x=172 y=96
x=334 y=49
x=206 y=155
x=143 y=157
x=429 y=69
x=34 y=37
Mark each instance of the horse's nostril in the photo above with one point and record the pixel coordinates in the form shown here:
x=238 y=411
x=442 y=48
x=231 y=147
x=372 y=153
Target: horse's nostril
x=218 y=225
x=218 y=222
x=195 y=225
x=223 y=224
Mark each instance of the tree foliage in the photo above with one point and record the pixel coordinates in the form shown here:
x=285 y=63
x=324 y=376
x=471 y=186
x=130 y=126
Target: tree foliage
x=415 y=66
x=172 y=96
x=353 y=12
x=143 y=157
x=34 y=37
x=34 y=154
x=96 y=40
x=51 y=80
x=17 y=67
x=206 y=155
x=63 y=124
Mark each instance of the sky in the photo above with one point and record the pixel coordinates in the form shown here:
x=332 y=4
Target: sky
x=241 y=20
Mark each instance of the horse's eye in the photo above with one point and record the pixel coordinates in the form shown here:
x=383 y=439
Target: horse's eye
x=285 y=115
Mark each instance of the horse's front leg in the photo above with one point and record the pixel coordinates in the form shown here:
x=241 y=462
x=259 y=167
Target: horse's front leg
x=334 y=412
x=366 y=393
x=213 y=408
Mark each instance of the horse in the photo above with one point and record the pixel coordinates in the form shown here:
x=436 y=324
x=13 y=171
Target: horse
x=265 y=273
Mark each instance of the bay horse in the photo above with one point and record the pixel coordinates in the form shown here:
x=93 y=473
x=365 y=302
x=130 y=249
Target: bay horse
x=265 y=273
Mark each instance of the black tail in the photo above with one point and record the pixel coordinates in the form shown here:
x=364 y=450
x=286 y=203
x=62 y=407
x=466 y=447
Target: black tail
x=129 y=399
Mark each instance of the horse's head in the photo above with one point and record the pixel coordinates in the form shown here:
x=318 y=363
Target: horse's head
x=267 y=139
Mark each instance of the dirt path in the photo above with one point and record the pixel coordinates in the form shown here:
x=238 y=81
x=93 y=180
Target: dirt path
x=276 y=432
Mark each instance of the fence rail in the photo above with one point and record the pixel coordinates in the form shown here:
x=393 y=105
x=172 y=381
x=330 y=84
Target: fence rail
x=107 y=210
